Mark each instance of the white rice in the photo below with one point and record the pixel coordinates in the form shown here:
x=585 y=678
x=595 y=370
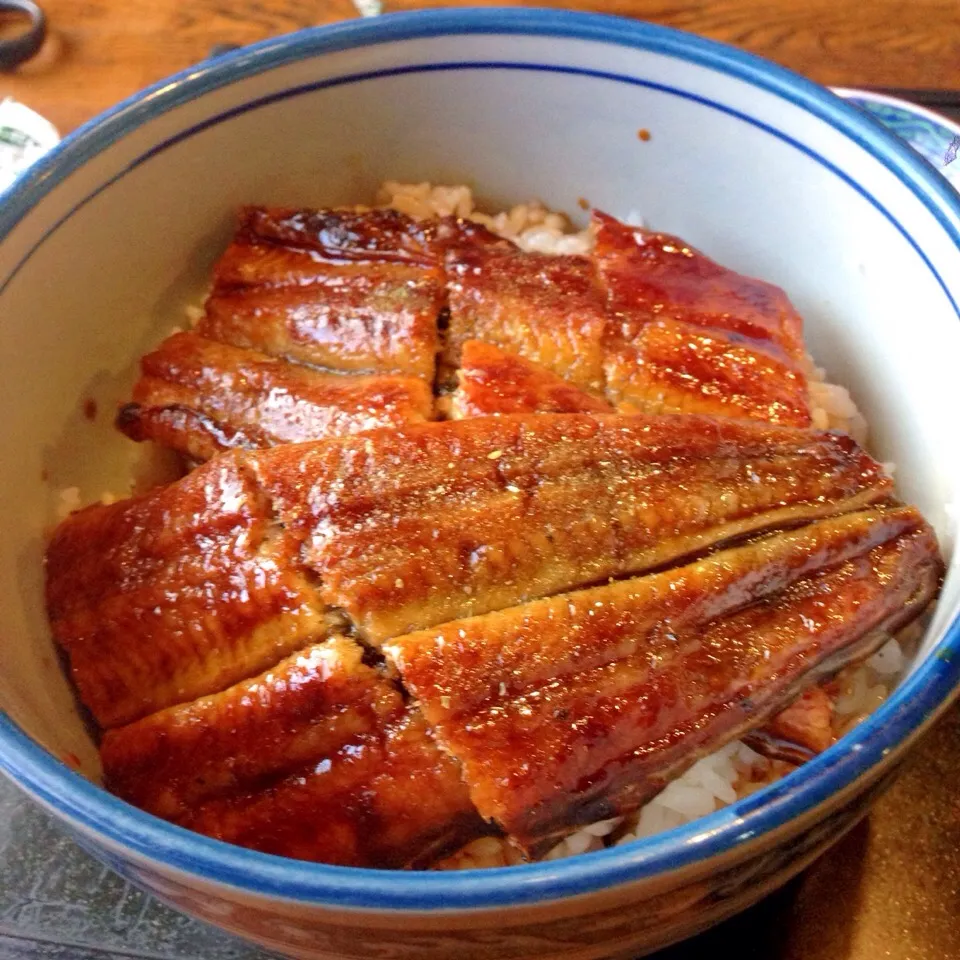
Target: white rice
x=832 y=407
x=67 y=501
x=530 y=225
x=147 y=466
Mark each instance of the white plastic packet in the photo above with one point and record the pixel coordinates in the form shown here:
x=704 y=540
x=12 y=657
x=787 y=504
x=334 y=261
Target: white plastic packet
x=25 y=136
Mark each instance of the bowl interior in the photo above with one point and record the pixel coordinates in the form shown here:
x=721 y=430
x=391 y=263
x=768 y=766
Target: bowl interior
x=109 y=241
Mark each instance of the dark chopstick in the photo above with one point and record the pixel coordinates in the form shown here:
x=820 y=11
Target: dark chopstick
x=925 y=97
x=946 y=102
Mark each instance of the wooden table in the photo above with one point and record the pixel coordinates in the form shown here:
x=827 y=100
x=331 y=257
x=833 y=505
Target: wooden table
x=892 y=888
x=103 y=50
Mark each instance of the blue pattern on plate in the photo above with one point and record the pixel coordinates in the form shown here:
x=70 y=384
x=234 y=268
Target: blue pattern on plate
x=938 y=142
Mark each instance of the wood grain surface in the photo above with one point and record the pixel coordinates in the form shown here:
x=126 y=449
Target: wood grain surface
x=100 y=51
x=103 y=50
x=904 y=43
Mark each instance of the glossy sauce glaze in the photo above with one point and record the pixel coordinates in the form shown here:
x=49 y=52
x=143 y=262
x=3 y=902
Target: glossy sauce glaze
x=494 y=381
x=388 y=799
x=577 y=708
x=374 y=645
x=443 y=520
x=319 y=757
x=177 y=593
x=687 y=335
x=549 y=309
x=248 y=399
x=645 y=324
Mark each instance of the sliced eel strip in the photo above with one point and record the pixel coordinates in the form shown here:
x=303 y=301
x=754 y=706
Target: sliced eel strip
x=411 y=527
x=201 y=397
x=581 y=707
x=319 y=758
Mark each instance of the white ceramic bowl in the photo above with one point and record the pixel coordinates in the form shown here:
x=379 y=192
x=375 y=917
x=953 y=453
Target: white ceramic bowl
x=107 y=238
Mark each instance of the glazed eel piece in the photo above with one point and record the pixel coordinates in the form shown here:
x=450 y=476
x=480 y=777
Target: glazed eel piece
x=548 y=309
x=189 y=588
x=321 y=758
x=176 y=593
x=582 y=706
x=201 y=397
x=167 y=604
x=318 y=758
x=437 y=521
x=302 y=296
x=356 y=292
x=645 y=321
x=493 y=382
x=320 y=323
x=690 y=336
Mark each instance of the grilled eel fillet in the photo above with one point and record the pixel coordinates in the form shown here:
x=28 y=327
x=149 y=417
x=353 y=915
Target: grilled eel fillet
x=549 y=309
x=355 y=293
x=438 y=521
x=493 y=381
x=187 y=591
x=177 y=593
x=344 y=291
x=582 y=706
x=318 y=758
x=646 y=324
x=553 y=714
x=320 y=323
x=689 y=336
x=201 y=397
x=646 y=321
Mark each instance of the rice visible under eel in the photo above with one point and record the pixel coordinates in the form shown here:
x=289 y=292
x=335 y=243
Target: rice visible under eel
x=735 y=770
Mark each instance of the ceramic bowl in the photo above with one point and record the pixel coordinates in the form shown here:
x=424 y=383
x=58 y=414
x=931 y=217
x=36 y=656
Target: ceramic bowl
x=107 y=238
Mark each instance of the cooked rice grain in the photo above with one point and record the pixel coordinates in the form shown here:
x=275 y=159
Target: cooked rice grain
x=531 y=225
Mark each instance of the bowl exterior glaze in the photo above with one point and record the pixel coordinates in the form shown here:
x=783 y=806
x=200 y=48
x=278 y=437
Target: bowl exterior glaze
x=629 y=921
x=105 y=241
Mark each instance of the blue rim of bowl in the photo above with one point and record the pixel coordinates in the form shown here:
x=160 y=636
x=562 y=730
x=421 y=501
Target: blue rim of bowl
x=116 y=826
